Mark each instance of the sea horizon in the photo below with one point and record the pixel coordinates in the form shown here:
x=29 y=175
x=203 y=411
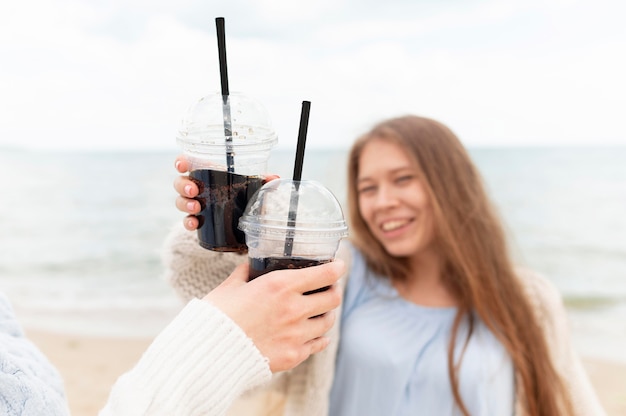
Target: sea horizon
x=81 y=232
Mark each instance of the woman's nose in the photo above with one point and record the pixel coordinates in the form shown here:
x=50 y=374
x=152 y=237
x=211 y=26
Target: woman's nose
x=386 y=197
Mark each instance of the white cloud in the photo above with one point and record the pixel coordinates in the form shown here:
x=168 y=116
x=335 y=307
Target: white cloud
x=81 y=74
x=289 y=11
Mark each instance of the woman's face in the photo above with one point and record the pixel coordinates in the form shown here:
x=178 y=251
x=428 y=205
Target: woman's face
x=393 y=200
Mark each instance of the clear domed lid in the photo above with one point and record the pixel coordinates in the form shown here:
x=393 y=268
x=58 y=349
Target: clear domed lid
x=203 y=124
x=318 y=214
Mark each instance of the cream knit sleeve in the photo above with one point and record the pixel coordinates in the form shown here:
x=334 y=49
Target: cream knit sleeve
x=198 y=365
x=192 y=270
x=552 y=315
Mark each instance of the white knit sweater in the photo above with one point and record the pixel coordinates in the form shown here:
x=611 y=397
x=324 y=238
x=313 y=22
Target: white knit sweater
x=194 y=271
x=197 y=366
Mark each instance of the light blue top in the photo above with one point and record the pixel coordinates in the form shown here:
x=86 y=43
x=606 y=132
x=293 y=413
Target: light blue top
x=392 y=357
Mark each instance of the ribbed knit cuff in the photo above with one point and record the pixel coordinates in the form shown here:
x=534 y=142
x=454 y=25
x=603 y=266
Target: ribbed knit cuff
x=198 y=365
x=191 y=270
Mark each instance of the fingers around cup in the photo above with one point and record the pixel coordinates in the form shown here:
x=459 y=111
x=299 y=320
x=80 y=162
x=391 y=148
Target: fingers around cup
x=181 y=164
x=270 y=177
x=186 y=187
x=318 y=344
x=191 y=223
x=321 y=324
x=320 y=303
x=188 y=205
x=316 y=277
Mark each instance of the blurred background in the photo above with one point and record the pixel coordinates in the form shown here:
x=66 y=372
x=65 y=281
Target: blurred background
x=86 y=74
x=92 y=93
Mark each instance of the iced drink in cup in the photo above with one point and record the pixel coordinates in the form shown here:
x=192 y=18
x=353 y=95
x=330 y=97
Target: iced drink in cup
x=225 y=191
x=279 y=239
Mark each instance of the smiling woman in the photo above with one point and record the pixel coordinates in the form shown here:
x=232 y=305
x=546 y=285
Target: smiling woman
x=463 y=263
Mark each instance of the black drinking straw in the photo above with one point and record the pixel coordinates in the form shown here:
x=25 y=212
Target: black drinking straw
x=297 y=174
x=228 y=130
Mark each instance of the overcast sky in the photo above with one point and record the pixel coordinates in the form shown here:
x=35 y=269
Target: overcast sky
x=121 y=73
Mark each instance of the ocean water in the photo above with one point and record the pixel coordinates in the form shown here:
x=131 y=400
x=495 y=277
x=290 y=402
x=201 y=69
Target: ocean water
x=81 y=233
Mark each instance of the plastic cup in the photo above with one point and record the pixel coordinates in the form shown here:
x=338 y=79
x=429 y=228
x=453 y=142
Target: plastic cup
x=224 y=194
x=278 y=239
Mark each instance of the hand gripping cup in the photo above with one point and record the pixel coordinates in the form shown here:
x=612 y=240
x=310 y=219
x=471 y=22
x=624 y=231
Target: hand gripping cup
x=281 y=234
x=227 y=162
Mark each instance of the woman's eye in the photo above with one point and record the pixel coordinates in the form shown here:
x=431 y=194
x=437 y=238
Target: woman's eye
x=366 y=189
x=404 y=179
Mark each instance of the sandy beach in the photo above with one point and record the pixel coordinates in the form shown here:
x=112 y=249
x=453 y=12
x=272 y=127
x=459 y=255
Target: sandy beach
x=90 y=365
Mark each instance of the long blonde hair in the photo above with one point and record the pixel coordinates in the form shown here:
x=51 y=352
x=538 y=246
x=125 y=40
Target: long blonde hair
x=477 y=265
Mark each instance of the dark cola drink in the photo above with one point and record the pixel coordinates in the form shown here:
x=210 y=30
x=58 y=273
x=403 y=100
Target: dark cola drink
x=259 y=266
x=223 y=198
